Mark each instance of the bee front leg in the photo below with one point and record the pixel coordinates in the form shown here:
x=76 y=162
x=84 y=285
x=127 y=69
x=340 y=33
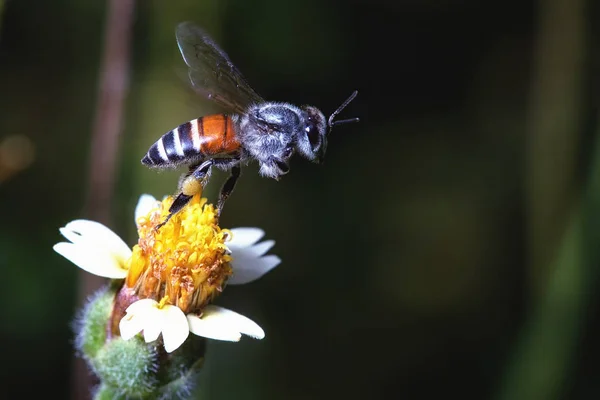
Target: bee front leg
x=192 y=184
x=228 y=187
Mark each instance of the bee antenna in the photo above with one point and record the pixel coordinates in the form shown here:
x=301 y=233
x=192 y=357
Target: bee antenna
x=344 y=121
x=331 y=121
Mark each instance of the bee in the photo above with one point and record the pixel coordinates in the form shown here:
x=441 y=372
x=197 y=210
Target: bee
x=252 y=129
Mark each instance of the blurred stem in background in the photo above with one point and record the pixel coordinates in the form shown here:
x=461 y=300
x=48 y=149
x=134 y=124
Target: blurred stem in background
x=559 y=213
x=543 y=359
x=554 y=131
x=107 y=127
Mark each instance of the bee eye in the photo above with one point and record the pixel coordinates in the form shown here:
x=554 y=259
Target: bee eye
x=313 y=135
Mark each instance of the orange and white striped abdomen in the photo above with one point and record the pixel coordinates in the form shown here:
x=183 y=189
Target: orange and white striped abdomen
x=205 y=137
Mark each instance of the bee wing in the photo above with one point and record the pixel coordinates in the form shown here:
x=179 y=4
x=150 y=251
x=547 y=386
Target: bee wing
x=211 y=72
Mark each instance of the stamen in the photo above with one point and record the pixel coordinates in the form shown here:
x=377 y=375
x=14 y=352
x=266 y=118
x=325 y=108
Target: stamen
x=186 y=262
x=163 y=301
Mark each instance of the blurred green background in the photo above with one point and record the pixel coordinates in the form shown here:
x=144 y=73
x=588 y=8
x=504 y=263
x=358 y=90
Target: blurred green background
x=449 y=244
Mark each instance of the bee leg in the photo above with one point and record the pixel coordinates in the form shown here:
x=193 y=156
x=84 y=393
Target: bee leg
x=185 y=175
x=228 y=187
x=180 y=201
x=191 y=184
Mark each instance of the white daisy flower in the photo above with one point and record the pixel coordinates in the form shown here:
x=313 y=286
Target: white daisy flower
x=173 y=273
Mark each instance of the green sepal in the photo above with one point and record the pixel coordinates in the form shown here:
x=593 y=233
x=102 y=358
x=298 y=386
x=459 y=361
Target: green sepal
x=129 y=367
x=134 y=369
x=90 y=324
x=180 y=369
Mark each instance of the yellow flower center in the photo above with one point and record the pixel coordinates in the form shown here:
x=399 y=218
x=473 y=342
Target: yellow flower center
x=183 y=263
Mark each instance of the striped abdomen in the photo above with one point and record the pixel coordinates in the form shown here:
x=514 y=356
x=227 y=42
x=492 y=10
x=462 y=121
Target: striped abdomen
x=204 y=137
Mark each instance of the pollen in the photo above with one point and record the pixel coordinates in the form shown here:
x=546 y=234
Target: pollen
x=184 y=263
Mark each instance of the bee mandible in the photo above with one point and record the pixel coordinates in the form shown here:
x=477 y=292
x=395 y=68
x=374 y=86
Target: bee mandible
x=252 y=129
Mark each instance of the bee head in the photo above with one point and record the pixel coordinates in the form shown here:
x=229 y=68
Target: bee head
x=312 y=141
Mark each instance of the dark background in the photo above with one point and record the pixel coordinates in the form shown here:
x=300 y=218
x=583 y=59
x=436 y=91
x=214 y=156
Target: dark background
x=449 y=245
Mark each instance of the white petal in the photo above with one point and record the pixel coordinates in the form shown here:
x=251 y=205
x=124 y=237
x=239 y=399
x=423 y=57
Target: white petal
x=247 y=263
x=262 y=247
x=141 y=306
x=94 y=234
x=129 y=326
x=243 y=237
x=145 y=204
x=153 y=325
x=256 y=250
x=248 y=268
x=175 y=327
x=140 y=315
x=232 y=321
x=211 y=330
x=91 y=260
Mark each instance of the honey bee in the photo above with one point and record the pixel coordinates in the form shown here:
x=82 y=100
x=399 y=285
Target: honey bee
x=252 y=129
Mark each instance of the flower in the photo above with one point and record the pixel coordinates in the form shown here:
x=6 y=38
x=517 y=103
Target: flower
x=173 y=273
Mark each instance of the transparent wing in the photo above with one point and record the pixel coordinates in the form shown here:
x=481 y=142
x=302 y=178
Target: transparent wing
x=211 y=72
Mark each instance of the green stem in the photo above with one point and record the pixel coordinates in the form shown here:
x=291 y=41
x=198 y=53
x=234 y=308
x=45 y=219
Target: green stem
x=543 y=358
x=562 y=238
x=554 y=126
